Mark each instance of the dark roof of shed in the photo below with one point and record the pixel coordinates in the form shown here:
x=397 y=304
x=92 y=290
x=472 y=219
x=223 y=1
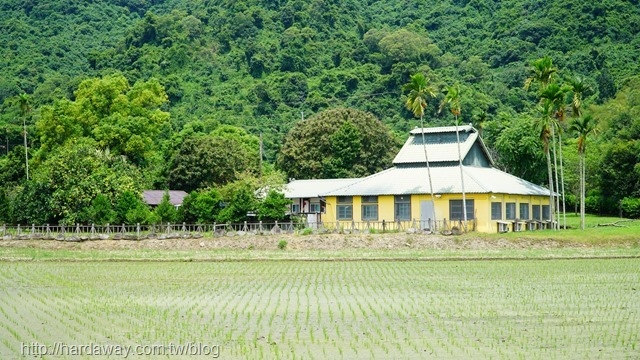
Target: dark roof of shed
x=154 y=197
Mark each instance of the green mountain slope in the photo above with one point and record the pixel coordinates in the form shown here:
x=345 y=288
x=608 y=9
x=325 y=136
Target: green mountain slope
x=264 y=65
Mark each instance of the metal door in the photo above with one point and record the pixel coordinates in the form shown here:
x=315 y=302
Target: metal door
x=427 y=216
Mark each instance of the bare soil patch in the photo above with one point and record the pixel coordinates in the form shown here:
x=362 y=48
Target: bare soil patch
x=300 y=242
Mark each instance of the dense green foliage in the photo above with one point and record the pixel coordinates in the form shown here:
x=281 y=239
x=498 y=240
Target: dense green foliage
x=201 y=207
x=273 y=207
x=208 y=160
x=181 y=91
x=165 y=212
x=337 y=143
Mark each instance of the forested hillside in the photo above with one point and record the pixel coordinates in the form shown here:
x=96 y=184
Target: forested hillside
x=217 y=75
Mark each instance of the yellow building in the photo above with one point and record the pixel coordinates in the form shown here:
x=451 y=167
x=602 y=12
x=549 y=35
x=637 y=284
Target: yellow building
x=401 y=196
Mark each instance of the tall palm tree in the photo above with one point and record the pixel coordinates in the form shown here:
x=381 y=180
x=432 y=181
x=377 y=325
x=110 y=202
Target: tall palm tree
x=583 y=127
x=556 y=96
x=24 y=101
x=419 y=90
x=452 y=98
x=479 y=119
x=546 y=131
x=542 y=72
x=579 y=87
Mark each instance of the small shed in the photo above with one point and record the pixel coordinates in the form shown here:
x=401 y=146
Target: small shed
x=154 y=197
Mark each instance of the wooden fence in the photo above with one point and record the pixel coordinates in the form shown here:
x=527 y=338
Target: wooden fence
x=80 y=232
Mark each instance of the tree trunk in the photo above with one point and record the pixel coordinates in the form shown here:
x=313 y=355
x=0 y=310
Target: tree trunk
x=582 y=190
x=564 y=205
x=555 y=169
x=551 y=205
x=426 y=158
x=464 y=197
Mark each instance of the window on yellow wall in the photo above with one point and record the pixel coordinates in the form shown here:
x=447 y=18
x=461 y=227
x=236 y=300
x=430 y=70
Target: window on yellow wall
x=344 y=208
x=496 y=211
x=369 y=208
x=546 y=212
x=524 y=211
x=455 y=209
x=536 y=212
x=511 y=211
x=402 y=207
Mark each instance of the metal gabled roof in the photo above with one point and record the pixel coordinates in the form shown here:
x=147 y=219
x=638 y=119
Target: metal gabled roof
x=314 y=187
x=413 y=153
x=441 y=129
x=446 y=180
x=154 y=197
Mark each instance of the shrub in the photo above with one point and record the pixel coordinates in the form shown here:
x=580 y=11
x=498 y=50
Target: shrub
x=130 y=208
x=138 y=214
x=307 y=231
x=165 y=211
x=592 y=204
x=101 y=212
x=631 y=207
x=282 y=244
x=240 y=199
x=273 y=207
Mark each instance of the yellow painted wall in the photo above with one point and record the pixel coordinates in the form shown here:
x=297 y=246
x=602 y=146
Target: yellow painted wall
x=482 y=204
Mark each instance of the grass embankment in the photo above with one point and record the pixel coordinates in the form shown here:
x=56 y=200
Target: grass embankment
x=546 y=244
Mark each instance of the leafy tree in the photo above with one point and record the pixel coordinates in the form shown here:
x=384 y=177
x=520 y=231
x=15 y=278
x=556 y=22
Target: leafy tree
x=620 y=171
x=77 y=172
x=140 y=214
x=208 y=160
x=346 y=144
x=126 y=202
x=515 y=138
x=406 y=46
x=419 y=89
x=201 y=207
x=165 y=211
x=31 y=204
x=122 y=118
x=12 y=167
x=101 y=212
x=240 y=200
x=273 y=207
x=631 y=207
x=337 y=142
x=5 y=206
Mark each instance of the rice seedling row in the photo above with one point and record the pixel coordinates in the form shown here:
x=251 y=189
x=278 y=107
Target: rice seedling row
x=293 y=310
